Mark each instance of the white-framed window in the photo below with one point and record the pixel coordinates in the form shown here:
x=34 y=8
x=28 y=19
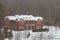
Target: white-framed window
x=29 y=17
x=26 y=17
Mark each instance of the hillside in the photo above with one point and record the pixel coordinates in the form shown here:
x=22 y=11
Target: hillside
x=49 y=9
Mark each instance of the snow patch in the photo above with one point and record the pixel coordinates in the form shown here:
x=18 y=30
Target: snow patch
x=53 y=34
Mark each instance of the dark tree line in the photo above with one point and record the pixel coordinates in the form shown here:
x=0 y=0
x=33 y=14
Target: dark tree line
x=48 y=9
x=1 y=15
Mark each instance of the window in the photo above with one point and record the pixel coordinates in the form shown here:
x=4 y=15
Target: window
x=23 y=17
x=29 y=17
x=16 y=19
x=26 y=17
x=38 y=19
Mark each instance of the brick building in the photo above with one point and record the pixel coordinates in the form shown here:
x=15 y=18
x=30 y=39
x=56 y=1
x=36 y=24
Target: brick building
x=23 y=22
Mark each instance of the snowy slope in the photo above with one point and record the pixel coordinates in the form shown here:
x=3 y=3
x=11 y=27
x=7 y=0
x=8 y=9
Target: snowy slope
x=53 y=34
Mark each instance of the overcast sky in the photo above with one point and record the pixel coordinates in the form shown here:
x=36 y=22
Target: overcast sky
x=10 y=5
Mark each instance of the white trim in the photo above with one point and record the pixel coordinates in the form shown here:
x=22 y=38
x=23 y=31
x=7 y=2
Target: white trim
x=24 y=17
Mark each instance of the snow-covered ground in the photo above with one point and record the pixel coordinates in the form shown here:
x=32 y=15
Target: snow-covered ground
x=52 y=34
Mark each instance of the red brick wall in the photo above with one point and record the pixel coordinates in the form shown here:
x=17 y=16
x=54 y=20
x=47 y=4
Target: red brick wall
x=24 y=24
x=39 y=24
x=6 y=23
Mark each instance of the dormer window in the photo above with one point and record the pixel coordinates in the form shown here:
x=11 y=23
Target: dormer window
x=26 y=17
x=16 y=19
x=7 y=18
x=29 y=17
x=39 y=19
x=23 y=17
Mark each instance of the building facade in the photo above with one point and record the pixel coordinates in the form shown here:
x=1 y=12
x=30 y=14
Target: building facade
x=23 y=22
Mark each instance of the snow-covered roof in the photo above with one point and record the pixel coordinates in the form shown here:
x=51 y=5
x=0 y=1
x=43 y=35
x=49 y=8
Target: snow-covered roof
x=24 y=17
